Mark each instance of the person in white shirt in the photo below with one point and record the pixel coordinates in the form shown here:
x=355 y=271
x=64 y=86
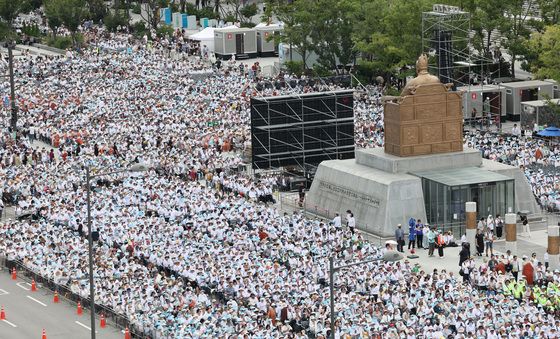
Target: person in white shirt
x=490 y=222
x=352 y=223
x=516 y=130
x=337 y=221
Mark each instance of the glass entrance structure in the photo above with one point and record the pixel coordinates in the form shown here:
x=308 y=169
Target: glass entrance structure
x=447 y=191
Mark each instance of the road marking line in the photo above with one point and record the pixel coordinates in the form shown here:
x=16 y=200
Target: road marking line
x=3 y=292
x=37 y=301
x=9 y=323
x=84 y=326
x=25 y=288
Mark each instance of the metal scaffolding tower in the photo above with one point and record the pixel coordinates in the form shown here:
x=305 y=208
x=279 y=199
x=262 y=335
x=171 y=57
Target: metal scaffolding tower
x=446 y=39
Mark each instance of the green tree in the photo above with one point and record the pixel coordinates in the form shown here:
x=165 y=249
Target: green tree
x=516 y=28
x=550 y=11
x=10 y=9
x=297 y=18
x=53 y=19
x=332 y=28
x=388 y=35
x=247 y=12
x=546 y=47
x=488 y=15
x=69 y=13
x=115 y=19
x=96 y=10
x=320 y=26
x=151 y=14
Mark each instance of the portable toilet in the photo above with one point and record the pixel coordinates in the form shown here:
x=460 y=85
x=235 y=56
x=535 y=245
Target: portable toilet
x=520 y=91
x=233 y=40
x=165 y=15
x=266 y=44
x=177 y=20
x=191 y=22
x=204 y=22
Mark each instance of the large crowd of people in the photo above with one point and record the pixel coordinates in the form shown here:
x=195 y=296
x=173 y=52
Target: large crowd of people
x=537 y=157
x=192 y=247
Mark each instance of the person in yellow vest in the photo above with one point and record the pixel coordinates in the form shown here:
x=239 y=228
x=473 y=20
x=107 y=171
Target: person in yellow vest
x=506 y=287
x=536 y=292
x=542 y=300
x=511 y=286
x=519 y=290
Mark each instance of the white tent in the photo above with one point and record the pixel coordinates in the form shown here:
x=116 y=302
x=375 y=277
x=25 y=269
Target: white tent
x=206 y=37
x=264 y=24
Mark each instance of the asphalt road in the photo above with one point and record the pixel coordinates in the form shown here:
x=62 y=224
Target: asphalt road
x=28 y=313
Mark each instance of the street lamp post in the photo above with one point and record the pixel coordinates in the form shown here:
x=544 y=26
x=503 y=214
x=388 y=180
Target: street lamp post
x=90 y=253
x=89 y=177
x=389 y=256
x=13 y=120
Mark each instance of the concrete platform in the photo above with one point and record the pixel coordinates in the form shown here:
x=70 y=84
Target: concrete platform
x=377 y=158
x=384 y=190
x=524 y=198
x=379 y=200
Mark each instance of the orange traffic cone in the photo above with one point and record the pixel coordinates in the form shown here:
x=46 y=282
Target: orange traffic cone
x=126 y=334
x=33 y=286
x=2 y=314
x=14 y=274
x=44 y=336
x=79 y=311
x=103 y=323
x=55 y=300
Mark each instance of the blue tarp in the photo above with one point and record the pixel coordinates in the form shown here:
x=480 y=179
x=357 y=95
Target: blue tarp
x=550 y=132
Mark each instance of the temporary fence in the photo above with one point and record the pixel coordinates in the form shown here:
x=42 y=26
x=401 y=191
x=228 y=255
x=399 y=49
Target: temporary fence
x=119 y=320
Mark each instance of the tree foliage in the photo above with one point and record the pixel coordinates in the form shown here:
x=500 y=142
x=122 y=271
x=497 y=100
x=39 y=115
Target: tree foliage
x=10 y=9
x=151 y=14
x=386 y=35
x=546 y=47
x=550 y=11
x=248 y=11
x=96 y=10
x=53 y=19
x=67 y=13
x=297 y=18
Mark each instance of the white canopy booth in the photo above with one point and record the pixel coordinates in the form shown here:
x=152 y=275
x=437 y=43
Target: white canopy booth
x=206 y=37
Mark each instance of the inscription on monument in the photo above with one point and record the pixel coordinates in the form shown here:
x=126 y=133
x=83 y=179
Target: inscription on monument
x=332 y=188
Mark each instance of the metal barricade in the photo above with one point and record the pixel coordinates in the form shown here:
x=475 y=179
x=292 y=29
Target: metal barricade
x=119 y=320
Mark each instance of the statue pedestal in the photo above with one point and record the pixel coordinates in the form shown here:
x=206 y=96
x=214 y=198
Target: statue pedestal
x=378 y=159
x=379 y=189
x=379 y=200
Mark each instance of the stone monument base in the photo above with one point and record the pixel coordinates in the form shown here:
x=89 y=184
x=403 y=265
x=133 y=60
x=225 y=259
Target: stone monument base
x=379 y=189
x=378 y=199
x=377 y=158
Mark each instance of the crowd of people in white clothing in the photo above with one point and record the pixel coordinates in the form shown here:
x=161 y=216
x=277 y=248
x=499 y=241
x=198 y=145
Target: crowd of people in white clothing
x=192 y=247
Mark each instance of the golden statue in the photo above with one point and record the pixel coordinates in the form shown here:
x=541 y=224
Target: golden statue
x=422 y=78
x=425 y=119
